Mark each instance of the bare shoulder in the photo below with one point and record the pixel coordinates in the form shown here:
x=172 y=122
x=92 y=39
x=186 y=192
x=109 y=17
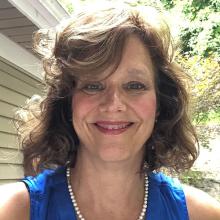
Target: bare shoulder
x=200 y=205
x=14 y=202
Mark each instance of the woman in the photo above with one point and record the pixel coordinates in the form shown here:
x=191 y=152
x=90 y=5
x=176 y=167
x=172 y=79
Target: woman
x=115 y=112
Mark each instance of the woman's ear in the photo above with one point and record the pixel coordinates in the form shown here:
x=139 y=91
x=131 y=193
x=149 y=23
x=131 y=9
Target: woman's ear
x=157 y=115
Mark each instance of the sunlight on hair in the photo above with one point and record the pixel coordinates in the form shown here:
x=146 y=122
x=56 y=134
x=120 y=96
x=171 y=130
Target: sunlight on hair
x=30 y=109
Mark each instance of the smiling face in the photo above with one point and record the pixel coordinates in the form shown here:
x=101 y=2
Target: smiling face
x=114 y=117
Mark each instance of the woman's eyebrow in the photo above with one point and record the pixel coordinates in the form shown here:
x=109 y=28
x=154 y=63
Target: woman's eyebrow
x=144 y=74
x=138 y=72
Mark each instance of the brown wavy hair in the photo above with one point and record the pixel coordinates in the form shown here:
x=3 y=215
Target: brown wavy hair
x=83 y=47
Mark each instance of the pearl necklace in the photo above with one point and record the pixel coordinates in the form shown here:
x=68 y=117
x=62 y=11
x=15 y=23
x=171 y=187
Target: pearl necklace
x=76 y=207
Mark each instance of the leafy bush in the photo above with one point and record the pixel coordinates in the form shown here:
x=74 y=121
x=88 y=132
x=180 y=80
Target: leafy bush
x=192 y=178
x=205 y=86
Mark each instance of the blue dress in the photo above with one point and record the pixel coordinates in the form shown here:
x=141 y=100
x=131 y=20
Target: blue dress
x=50 y=199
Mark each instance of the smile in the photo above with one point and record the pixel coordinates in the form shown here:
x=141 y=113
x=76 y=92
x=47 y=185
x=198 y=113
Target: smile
x=112 y=128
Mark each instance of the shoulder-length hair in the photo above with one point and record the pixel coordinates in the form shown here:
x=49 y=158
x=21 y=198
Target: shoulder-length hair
x=83 y=47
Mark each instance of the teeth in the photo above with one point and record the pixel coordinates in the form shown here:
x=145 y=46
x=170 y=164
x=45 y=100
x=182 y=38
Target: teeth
x=113 y=127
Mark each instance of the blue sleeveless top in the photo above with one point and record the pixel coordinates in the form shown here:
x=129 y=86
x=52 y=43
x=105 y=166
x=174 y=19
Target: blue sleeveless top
x=50 y=199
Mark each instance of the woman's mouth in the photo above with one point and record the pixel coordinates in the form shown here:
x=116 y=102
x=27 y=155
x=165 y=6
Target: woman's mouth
x=112 y=128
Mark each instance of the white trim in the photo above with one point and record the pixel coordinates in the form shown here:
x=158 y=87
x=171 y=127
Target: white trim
x=44 y=14
x=20 y=57
x=55 y=9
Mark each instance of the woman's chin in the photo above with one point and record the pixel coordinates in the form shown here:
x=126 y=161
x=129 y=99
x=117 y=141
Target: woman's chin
x=115 y=155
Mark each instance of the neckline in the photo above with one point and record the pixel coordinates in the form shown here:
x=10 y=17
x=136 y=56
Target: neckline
x=73 y=211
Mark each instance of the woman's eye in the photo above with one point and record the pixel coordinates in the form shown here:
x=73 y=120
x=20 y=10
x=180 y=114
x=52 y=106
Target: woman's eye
x=136 y=86
x=92 y=88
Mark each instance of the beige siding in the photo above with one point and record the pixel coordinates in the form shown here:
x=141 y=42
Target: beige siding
x=19 y=74
x=6 y=125
x=15 y=88
x=21 y=87
x=11 y=172
x=8 y=140
x=12 y=156
x=7 y=109
x=10 y=96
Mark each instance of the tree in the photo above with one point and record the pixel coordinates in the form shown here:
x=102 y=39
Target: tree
x=202 y=36
x=200 y=56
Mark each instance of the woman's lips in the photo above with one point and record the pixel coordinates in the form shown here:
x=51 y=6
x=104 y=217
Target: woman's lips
x=112 y=128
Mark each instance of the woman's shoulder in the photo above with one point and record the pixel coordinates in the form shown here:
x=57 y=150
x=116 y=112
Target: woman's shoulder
x=14 y=202
x=200 y=205
x=168 y=194
x=15 y=197
x=159 y=179
x=42 y=182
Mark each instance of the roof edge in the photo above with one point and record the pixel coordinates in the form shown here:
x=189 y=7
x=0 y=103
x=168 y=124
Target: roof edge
x=22 y=58
x=43 y=14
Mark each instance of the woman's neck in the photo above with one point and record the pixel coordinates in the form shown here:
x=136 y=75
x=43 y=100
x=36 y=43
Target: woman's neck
x=105 y=187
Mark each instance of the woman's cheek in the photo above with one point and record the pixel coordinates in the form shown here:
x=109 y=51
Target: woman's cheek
x=146 y=106
x=82 y=104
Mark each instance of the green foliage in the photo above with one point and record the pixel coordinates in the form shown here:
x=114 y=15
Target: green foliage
x=202 y=37
x=210 y=118
x=205 y=90
x=214 y=117
x=192 y=8
x=205 y=84
x=200 y=57
x=192 y=177
x=201 y=34
x=168 y=4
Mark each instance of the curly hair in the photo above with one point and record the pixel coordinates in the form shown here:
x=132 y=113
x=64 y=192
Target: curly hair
x=83 y=47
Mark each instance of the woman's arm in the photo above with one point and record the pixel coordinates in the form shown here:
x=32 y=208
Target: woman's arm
x=14 y=202
x=200 y=205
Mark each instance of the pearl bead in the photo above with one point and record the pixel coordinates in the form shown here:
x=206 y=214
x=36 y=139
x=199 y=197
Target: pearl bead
x=77 y=210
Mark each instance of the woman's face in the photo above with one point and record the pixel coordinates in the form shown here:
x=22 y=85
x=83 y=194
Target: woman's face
x=114 y=117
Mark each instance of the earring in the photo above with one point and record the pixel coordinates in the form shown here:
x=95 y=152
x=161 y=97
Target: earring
x=146 y=166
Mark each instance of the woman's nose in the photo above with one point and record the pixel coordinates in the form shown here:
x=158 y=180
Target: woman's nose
x=112 y=101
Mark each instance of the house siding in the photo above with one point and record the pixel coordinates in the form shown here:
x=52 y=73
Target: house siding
x=16 y=86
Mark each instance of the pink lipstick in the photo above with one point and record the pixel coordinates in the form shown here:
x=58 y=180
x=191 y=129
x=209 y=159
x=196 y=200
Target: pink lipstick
x=112 y=128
